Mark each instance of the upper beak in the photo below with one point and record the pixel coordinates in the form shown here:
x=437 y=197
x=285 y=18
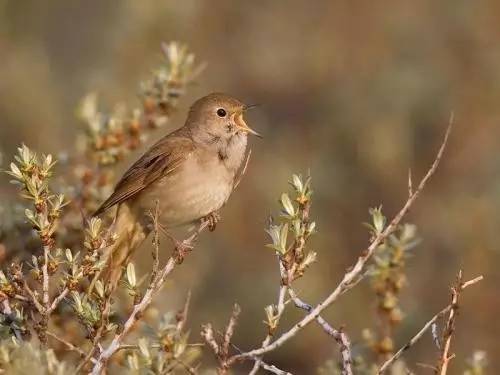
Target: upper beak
x=246 y=107
x=242 y=125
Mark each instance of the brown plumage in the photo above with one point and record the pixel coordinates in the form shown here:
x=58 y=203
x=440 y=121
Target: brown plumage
x=190 y=172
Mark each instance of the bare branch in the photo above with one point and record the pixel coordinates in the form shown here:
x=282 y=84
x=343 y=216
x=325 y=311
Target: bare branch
x=230 y=330
x=45 y=274
x=207 y=333
x=58 y=300
x=34 y=298
x=182 y=315
x=221 y=351
x=280 y=308
x=413 y=340
x=68 y=344
x=445 y=358
x=339 y=336
x=424 y=329
x=270 y=368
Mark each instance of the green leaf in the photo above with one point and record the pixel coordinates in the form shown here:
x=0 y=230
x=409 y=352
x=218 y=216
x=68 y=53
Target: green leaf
x=283 y=237
x=131 y=278
x=287 y=204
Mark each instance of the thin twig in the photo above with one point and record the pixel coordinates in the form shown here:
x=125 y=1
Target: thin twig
x=339 y=336
x=34 y=298
x=21 y=298
x=45 y=274
x=280 y=308
x=266 y=366
x=354 y=273
x=445 y=357
x=427 y=325
x=152 y=346
x=68 y=344
x=221 y=350
x=413 y=340
x=182 y=316
x=230 y=330
x=58 y=300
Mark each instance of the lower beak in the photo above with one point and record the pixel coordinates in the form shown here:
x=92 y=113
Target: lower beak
x=242 y=125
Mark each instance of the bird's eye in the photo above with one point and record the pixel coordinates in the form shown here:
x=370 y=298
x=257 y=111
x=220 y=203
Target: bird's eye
x=221 y=112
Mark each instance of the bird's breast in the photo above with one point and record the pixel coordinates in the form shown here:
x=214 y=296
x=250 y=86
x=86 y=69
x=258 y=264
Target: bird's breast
x=201 y=185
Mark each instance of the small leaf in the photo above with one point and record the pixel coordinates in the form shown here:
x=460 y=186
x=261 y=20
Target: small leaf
x=143 y=347
x=69 y=255
x=15 y=172
x=297 y=183
x=378 y=219
x=287 y=204
x=131 y=278
x=311 y=227
x=283 y=237
x=99 y=288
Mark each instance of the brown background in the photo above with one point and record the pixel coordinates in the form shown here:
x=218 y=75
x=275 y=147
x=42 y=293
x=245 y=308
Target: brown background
x=355 y=92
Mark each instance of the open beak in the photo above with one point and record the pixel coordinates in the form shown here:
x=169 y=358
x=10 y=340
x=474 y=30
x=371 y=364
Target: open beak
x=242 y=125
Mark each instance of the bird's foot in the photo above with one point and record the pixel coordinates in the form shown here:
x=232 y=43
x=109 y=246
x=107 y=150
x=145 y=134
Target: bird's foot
x=182 y=248
x=212 y=219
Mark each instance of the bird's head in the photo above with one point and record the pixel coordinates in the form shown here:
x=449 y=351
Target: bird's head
x=219 y=116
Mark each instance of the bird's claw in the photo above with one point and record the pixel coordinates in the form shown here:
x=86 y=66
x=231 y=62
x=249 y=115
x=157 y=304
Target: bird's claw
x=212 y=220
x=182 y=248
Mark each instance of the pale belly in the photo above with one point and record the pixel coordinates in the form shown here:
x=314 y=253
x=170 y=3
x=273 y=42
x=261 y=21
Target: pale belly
x=188 y=194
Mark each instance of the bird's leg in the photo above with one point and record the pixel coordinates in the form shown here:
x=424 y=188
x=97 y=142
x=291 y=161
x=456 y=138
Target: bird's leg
x=182 y=248
x=213 y=218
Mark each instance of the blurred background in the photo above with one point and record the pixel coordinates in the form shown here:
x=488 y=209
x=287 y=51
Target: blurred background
x=356 y=92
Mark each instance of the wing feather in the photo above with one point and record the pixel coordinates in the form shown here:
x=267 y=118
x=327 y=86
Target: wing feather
x=160 y=160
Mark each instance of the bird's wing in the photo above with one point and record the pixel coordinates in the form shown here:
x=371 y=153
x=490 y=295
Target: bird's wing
x=160 y=160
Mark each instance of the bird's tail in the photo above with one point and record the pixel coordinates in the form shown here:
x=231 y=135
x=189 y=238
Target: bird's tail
x=130 y=234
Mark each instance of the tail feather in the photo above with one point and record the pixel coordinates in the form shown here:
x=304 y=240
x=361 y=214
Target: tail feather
x=131 y=232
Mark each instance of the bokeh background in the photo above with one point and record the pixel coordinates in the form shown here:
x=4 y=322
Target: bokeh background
x=357 y=92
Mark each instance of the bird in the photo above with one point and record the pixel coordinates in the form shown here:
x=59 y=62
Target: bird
x=187 y=175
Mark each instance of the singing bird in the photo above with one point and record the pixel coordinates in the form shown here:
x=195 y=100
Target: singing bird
x=190 y=172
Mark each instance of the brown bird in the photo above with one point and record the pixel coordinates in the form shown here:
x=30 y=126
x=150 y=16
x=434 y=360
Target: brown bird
x=190 y=172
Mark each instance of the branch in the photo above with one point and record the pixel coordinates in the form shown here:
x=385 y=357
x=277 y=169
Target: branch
x=34 y=298
x=270 y=368
x=230 y=330
x=182 y=315
x=277 y=317
x=221 y=351
x=58 y=300
x=339 y=336
x=356 y=271
x=68 y=344
x=45 y=273
x=442 y=367
x=427 y=325
x=146 y=300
